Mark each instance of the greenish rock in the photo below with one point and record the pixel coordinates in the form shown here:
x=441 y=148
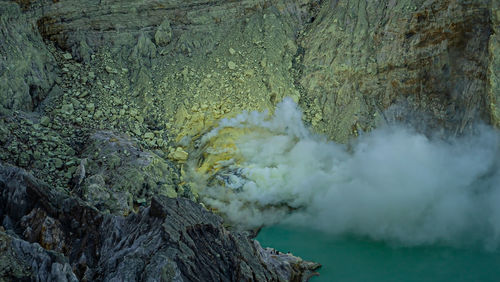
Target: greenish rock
x=114 y=161
x=143 y=80
x=163 y=34
x=231 y=65
x=139 y=118
x=136 y=130
x=144 y=51
x=83 y=51
x=168 y=190
x=83 y=94
x=117 y=101
x=58 y=163
x=67 y=56
x=90 y=107
x=417 y=73
x=67 y=109
x=12 y=148
x=97 y=194
x=98 y=114
x=24 y=159
x=27 y=68
x=151 y=142
x=4 y=134
x=37 y=155
x=111 y=70
x=131 y=174
x=76 y=103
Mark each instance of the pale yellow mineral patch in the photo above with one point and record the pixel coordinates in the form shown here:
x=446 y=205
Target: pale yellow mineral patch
x=231 y=65
x=179 y=155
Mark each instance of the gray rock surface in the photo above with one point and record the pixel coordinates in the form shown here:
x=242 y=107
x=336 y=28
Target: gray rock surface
x=115 y=175
x=27 y=68
x=171 y=240
x=24 y=261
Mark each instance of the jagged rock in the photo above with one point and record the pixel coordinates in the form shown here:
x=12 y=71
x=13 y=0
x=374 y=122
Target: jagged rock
x=24 y=261
x=281 y=262
x=431 y=57
x=67 y=25
x=143 y=51
x=173 y=239
x=118 y=174
x=358 y=64
x=27 y=69
x=163 y=34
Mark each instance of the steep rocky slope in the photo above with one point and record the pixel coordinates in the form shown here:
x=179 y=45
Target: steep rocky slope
x=172 y=239
x=424 y=62
x=104 y=101
x=27 y=69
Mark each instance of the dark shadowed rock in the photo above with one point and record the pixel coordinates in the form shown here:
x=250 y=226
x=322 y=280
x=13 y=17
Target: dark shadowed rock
x=21 y=260
x=172 y=239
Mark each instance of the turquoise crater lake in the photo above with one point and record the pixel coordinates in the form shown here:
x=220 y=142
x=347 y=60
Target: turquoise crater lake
x=355 y=259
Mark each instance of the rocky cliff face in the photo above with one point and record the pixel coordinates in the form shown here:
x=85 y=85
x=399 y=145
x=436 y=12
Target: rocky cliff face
x=52 y=236
x=105 y=101
x=27 y=69
x=426 y=62
x=494 y=64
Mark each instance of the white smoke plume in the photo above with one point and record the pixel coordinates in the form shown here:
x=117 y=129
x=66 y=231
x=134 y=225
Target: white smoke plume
x=393 y=184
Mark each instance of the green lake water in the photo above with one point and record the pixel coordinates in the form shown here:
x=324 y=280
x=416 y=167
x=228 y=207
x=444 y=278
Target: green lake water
x=354 y=259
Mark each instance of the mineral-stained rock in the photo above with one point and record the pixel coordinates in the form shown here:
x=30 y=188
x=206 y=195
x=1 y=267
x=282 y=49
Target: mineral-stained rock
x=27 y=69
x=118 y=173
x=179 y=155
x=494 y=64
x=172 y=239
x=163 y=34
x=24 y=261
x=67 y=23
x=359 y=63
x=411 y=57
x=156 y=41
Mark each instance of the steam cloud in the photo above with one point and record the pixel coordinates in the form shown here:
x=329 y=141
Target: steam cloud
x=393 y=184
